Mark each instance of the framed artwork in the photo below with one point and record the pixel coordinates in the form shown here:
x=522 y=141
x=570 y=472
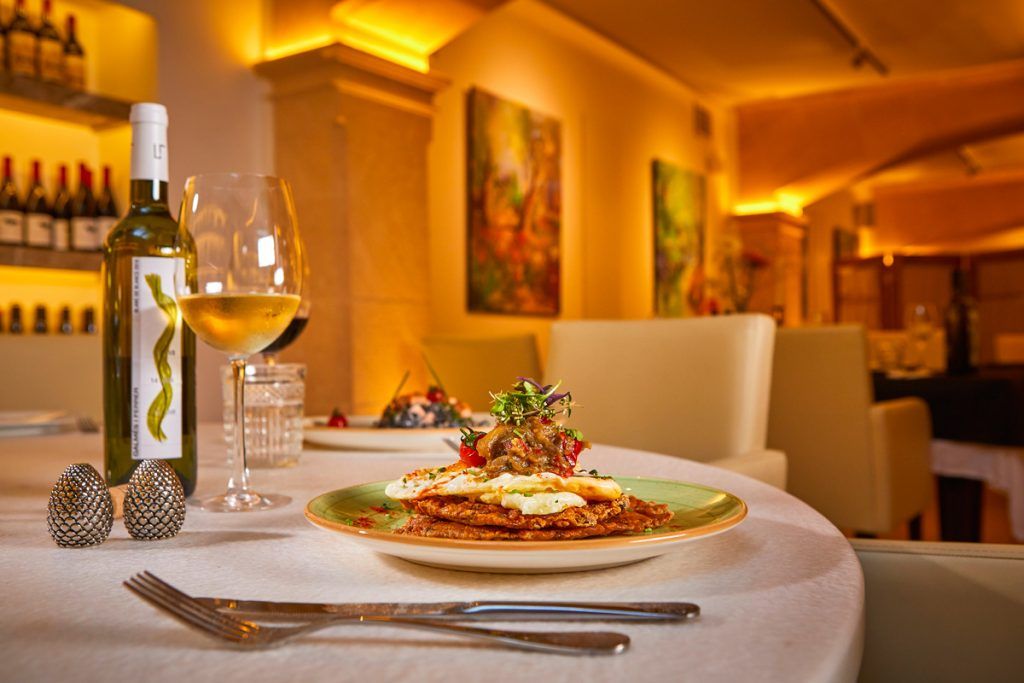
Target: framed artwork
x=514 y=192
x=680 y=202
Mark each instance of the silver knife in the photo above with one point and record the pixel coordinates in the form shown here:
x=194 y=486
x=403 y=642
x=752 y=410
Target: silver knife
x=481 y=610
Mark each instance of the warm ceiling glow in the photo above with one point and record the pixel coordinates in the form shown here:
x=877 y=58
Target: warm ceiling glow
x=404 y=32
x=379 y=46
x=783 y=203
x=297 y=46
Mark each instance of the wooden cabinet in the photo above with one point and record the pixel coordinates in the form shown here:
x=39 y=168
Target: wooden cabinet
x=876 y=292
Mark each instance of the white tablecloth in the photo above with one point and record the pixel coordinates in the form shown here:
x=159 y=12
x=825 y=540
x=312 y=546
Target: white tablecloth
x=781 y=596
x=1001 y=467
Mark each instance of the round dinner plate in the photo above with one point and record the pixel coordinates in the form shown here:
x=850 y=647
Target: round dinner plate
x=363 y=514
x=361 y=435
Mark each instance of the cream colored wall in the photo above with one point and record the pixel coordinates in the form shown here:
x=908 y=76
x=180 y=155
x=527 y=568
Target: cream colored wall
x=220 y=118
x=617 y=114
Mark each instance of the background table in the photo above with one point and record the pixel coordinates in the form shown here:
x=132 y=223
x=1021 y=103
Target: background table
x=971 y=414
x=781 y=595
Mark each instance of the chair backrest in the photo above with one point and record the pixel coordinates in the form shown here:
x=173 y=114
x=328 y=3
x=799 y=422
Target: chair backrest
x=52 y=372
x=696 y=388
x=472 y=367
x=942 y=611
x=820 y=400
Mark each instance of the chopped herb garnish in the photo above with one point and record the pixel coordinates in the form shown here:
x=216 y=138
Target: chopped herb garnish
x=431 y=475
x=442 y=469
x=529 y=399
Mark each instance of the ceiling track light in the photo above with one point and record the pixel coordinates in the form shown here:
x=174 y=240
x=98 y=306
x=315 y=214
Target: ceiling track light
x=862 y=54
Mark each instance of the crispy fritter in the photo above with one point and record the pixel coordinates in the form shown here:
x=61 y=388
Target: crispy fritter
x=459 y=509
x=641 y=515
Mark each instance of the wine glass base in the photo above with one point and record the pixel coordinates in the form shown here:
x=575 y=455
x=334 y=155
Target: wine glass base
x=234 y=502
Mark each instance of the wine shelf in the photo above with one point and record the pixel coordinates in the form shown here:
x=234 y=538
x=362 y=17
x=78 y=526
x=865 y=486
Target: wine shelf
x=29 y=96
x=45 y=258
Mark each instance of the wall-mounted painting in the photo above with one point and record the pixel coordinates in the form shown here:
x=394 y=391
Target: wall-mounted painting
x=680 y=202
x=515 y=206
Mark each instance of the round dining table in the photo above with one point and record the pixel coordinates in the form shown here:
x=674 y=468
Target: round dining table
x=781 y=595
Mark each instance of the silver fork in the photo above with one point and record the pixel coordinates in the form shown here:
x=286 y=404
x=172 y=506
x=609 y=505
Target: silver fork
x=252 y=636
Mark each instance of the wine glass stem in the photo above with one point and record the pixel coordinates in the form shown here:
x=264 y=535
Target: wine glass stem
x=239 y=484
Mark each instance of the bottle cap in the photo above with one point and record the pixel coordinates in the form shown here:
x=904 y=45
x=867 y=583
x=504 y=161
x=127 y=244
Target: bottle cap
x=148 y=112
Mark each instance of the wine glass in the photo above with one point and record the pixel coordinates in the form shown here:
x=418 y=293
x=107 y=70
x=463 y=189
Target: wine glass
x=298 y=323
x=920 y=322
x=240 y=288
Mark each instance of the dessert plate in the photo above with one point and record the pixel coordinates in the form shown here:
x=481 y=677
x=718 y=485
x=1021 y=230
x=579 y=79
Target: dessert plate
x=363 y=514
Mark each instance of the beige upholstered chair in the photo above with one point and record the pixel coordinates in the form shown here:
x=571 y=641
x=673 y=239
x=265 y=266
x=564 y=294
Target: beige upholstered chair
x=863 y=465
x=473 y=367
x=695 y=388
x=942 y=611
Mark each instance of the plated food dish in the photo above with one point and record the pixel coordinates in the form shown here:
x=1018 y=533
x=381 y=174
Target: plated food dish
x=519 y=500
x=362 y=434
x=520 y=481
x=415 y=421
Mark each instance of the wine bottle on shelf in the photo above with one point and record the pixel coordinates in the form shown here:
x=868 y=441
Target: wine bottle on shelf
x=88 y=320
x=83 y=214
x=106 y=208
x=12 y=214
x=3 y=56
x=74 y=58
x=49 y=48
x=65 y=321
x=21 y=43
x=62 y=212
x=40 y=326
x=148 y=355
x=38 y=216
x=961 y=328
x=16 y=325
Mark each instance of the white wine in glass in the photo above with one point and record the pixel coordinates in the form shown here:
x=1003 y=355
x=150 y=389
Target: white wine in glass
x=240 y=289
x=239 y=323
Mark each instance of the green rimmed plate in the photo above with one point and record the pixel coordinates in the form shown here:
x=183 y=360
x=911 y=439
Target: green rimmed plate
x=365 y=515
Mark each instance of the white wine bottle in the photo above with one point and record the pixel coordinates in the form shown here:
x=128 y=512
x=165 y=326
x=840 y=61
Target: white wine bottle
x=148 y=353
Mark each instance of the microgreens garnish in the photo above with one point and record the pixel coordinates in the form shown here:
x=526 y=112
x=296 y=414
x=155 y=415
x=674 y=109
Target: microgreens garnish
x=529 y=399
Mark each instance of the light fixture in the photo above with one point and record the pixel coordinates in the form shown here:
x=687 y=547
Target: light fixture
x=862 y=54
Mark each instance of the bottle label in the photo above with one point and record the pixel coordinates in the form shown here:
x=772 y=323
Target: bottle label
x=39 y=229
x=51 y=60
x=11 y=227
x=103 y=227
x=21 y=48
x=83 y=234
x=60 y=234
x=74 y=72
x=156 y=359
